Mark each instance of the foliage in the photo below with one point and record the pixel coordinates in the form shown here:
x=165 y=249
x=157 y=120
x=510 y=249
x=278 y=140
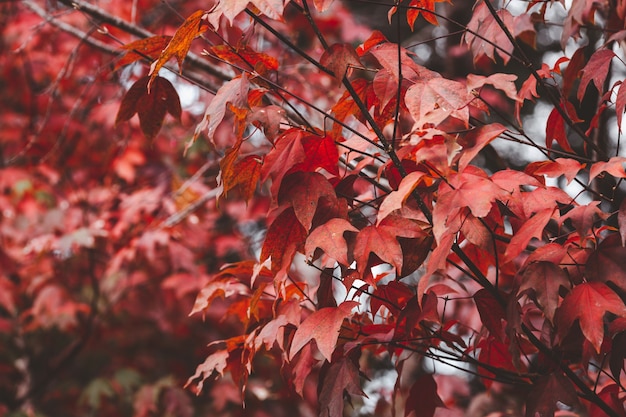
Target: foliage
x=398 y=235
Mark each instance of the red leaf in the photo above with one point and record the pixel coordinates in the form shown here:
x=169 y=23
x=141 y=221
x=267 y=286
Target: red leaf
x=503 y=82
x=223 y=288
x=215 y=362
x=339 y=58
x=608 y=262
x=555 y=130
x=611 y=396
x=287 y=152
x=472 y=189
x=382 y=243
x=322 y=326
x=152 y=106
x=232 y=8
x=532 y=228
x=342 y=377
x=614 y=166
x=543 y=279
x=588 y=303
x=584 y=217
x=329 y=238
x=549 y=394
x=476 y=140
x=423 y=399
x=491 y=313
x=483 y=22
x=620 y=104
x=302 y=191
x=179 y=44
x=395 y=199
x=596 y=70
x=553 y=169
x=435 y=100
x=320 y=152
x=284 y=238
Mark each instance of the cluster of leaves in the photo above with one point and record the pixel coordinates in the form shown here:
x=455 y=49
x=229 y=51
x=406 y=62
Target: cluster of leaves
x=386 y=237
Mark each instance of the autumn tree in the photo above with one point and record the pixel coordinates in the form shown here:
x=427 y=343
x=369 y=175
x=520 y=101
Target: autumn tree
x=388 y=206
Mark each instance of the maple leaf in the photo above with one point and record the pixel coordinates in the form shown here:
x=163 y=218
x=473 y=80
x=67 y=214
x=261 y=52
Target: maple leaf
x=620 y=104
x=435 y=100
x=553 y=169
x=555 y=130
x=503 y=82
x=549 y=394
x=491 y=34
x=224 y=288
x=341 y=377
x=232 y=8
x=423 y=400
x=476 y=140
x=491 y=313
x=608 y=262
x=284 y=238
x=596 y=70
x=544 y=279
x=215 y=362
x=151 y=106
x=387 y=55
x=584 y=217
x=396 y=199
x=339 y=58
x=417 y=7
x=329 y=237
x=303 y=190
x=322 y=326
x=588 y=303
x=234 y=92
x=179 y=44
x=379 y=241
x=143 y=48
x=532 y=228
x=614 y=166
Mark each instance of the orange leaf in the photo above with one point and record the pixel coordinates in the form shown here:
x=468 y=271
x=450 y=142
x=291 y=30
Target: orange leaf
x=421 y=6
x=143 y=48
x=179 y=44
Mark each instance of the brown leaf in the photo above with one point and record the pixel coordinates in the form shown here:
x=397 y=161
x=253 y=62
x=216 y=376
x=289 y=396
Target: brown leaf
x=152 y=106
x=339 y=58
